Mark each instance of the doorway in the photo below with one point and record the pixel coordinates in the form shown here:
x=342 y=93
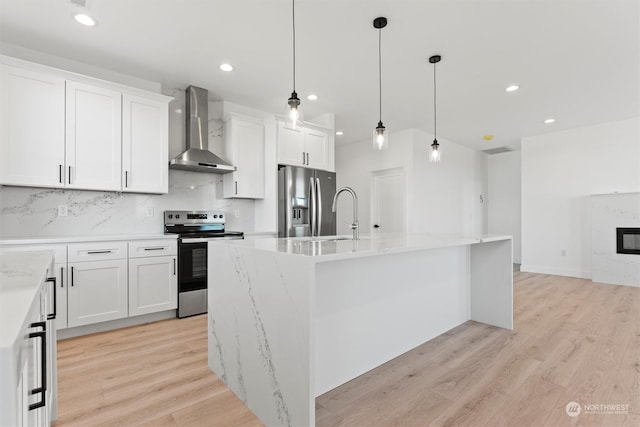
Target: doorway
x=389 y=201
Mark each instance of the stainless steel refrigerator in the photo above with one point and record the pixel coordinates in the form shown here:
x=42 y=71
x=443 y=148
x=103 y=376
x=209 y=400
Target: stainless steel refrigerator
x=304 y=202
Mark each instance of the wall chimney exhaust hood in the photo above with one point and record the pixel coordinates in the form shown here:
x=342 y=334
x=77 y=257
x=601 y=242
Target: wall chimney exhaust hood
x=197 y=157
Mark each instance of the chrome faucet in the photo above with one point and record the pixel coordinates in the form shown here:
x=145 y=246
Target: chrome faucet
x=354 y=226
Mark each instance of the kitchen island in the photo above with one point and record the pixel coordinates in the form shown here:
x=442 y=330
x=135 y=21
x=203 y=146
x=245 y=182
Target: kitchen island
x=290 y=319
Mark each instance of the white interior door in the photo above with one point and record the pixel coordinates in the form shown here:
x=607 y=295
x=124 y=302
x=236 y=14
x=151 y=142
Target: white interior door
x=389 y=201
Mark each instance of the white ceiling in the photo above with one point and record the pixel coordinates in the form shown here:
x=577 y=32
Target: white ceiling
x=575 y=60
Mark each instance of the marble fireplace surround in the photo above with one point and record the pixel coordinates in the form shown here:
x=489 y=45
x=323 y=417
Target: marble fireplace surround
x=609 y=212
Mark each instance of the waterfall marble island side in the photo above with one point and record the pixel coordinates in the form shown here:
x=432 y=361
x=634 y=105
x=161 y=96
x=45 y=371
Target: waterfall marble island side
x=290 y=319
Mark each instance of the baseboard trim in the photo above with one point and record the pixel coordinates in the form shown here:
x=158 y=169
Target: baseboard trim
x=555 y=271
x=114 y=324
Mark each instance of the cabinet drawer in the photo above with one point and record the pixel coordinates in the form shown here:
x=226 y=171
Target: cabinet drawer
x=60 y=251
x=97 y=251
x=149 y=248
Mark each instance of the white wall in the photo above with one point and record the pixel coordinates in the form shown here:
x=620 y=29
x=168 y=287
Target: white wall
x=442 y=198
x=559 y=172
x=504 y=198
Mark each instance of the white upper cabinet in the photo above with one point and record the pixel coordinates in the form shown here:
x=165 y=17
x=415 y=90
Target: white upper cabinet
x=63 y=130
x=308 y=146
x=316 y=144
x=31 y=128
x=145 y=151
x=93 y=137
x=244 y=148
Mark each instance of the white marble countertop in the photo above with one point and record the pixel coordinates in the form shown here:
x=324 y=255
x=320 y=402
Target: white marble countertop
x=81 y=239
x=331 y=248
x=21 y=275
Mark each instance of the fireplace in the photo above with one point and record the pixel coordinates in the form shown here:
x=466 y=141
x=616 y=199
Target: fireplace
x=628 y=241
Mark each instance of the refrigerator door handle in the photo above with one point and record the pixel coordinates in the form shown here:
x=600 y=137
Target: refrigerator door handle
x=319 y=207
x=313 y=208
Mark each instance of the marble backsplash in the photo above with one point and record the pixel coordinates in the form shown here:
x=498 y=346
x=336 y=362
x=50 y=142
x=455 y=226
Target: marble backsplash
x=33 y=212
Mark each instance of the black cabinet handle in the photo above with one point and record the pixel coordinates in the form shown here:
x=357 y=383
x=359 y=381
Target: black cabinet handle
x=60 y=174
x=236 y=183
x=43 y=363
x=55 y=298
x=69 y=174
x=98 y=252
x=174 y=266
x=376 y=226
x=62 y=277
x=71 y=276
x=154 y=249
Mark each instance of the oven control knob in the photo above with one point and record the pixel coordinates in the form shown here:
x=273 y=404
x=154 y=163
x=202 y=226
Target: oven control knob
x=170 y=216
x=220 y=216
x=215 y=216
x=177 y=216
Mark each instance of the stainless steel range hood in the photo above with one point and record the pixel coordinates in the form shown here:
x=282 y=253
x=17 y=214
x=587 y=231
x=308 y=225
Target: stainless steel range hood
x=197 y=157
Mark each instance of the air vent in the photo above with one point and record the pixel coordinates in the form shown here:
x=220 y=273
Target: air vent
x=497 y=150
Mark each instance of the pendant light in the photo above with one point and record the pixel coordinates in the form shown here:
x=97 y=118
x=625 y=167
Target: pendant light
x=293 y=103
x=435 y=152
x=380 y=134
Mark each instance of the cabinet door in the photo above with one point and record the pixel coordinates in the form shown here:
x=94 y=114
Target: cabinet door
x=290 y=145
x=61 y=295
x=97 y=292
x=317 y=147
x=153 y=285
x=244 y=146
x=31 y=128
x=145 y=152
x=93 y=137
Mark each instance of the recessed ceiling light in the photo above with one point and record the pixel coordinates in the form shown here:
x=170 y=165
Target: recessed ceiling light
x=512 y=88
x=549 y=121
x=312 y=97
x=84 y=19
x=226 y=67
x=339 y=133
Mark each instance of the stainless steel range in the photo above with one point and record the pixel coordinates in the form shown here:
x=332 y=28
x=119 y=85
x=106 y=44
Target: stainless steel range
x=196 y=229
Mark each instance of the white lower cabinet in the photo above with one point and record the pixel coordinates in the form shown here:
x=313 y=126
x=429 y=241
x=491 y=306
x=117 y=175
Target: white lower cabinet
x=97 y=290
x=152 y=285
x=153 y=276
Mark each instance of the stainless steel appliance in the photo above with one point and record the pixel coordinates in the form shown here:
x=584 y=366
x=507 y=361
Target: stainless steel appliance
x=304 y=202
x=197 y=157
x=195 y=230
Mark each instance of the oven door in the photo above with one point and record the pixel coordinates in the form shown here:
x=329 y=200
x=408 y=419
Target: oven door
x=192 y=278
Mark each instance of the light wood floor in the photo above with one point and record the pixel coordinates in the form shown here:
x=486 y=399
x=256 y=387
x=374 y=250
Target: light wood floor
x=574 y=340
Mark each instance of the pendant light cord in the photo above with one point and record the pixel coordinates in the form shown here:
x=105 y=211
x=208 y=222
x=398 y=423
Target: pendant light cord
x=293 y=16
x=380 y=69
x=435 y=122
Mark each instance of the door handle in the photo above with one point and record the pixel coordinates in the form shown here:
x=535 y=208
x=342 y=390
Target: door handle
x=69 y=174
x=60 y=174
x=62 y=277
x=307 y=159
x=71 y=276
x=376 y=226
x=174 y=266
x=318 y=207
x=126 y=179
x=55 y=298
x=154 y=249
x=98 y=252
x=42 y=335
x=236 y=187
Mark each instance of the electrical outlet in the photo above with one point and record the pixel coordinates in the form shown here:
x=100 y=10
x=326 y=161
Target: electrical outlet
x=236 y=213
x=149 y=212
x=63 y=210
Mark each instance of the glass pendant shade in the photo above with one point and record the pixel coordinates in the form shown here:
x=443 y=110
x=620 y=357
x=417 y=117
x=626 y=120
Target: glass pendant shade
x=294 y=112
x=435 y=152
x=380 y=137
